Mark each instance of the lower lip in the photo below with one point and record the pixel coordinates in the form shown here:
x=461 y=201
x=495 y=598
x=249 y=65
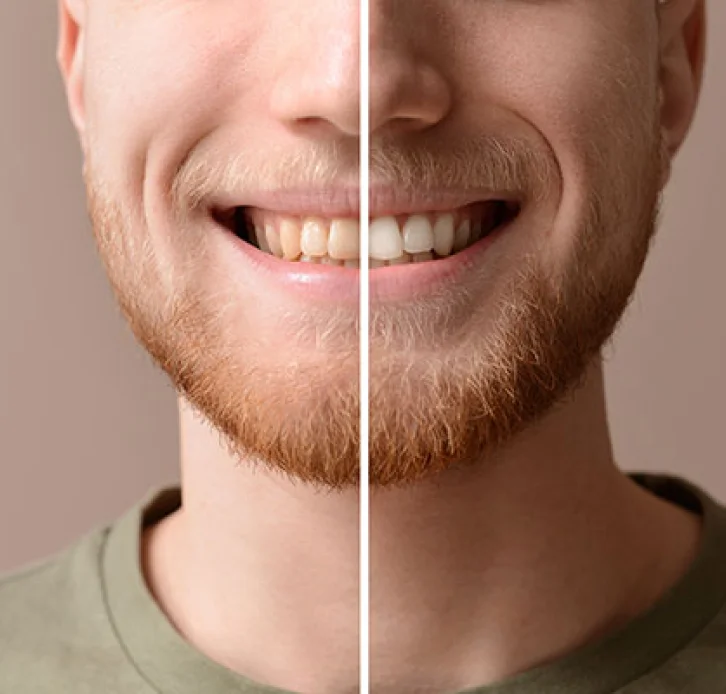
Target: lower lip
x=341 y=286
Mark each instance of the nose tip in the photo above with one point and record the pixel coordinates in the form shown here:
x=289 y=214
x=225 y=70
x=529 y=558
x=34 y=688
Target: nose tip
x=320 y=93
x=405 y=95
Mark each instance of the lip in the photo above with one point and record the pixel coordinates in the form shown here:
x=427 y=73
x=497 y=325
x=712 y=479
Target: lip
x=344 y=202
x=339 y=286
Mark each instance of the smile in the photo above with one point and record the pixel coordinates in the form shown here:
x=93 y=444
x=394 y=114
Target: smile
x=307 y=247
x=394 y=239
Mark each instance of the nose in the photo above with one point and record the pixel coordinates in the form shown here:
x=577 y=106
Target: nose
x=318 y=91
x=408 y=92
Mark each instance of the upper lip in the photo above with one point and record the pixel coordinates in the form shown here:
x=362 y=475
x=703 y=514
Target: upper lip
x=344 y=202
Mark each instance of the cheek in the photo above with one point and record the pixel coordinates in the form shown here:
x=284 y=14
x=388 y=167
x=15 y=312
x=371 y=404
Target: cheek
x=572 y=71
x=583 y=77
x=159 y=79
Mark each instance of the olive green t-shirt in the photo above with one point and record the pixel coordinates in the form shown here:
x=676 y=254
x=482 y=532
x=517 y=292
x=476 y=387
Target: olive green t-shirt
x=83 y=622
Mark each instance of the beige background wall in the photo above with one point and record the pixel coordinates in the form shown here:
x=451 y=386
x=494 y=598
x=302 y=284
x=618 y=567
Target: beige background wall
x=86 y=423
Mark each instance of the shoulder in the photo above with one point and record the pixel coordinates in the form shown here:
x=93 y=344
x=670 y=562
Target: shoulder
x=699 y=666
x=55 y=631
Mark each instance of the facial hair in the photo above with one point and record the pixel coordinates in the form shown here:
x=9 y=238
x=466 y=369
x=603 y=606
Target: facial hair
x=434 y=403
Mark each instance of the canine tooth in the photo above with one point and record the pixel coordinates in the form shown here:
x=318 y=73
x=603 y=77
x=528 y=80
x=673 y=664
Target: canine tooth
x=344 y=239
x=444 y=234
x=418 y=236
x=290 y=239
x=273 y=240
x=314 y=237
x=385 y=240
x=461 y=236
x=422 y=257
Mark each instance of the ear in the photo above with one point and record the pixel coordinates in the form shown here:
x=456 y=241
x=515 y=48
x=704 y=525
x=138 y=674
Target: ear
x=70 y=57
x=682 y=53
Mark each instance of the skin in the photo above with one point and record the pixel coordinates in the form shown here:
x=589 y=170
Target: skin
x=591 y=100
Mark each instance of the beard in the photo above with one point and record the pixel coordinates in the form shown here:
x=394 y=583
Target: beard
x=450 y=385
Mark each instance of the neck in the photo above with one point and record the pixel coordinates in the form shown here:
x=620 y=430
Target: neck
x=478 y=574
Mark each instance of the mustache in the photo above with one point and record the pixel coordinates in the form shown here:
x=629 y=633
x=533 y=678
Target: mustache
x=485 y=162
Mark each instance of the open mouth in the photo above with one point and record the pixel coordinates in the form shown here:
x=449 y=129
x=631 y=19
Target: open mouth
x=394 y=240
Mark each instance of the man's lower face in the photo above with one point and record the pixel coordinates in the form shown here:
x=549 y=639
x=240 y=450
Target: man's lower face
x=484 y=313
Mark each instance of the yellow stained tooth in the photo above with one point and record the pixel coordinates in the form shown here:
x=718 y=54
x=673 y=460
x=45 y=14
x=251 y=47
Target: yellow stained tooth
x=314 y=237
x=344 y=239
x=261 y=239
x=353 y=263
x=273 y=240
x=422 y=257
x=461 y=237
x=309 y=259
x=444 y=234
x=290 y=239
x=327 y=260
x=418 y=236
x=374 y=263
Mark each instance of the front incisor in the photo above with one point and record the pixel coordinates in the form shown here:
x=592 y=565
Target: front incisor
x=344 y=239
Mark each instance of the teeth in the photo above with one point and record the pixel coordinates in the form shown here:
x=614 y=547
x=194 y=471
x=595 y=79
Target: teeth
x=444 y=235
x=401 y=260
x=476 y=231
x=344 y=239
x=422 y=257
x=415 y=239
x=461 y=237
x=273 y=240
x=385 y=242
x=418 y=236
x=261 y=239
x=314 y=238
x=290 y=239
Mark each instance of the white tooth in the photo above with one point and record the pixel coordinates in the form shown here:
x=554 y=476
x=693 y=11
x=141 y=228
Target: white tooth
x=344 y=239
x=273 y=240
x=461 y=237
x=385 y=240
x=290 y=239
x=418 y=236
x=314 y=237
x=374 y=263
x=261 y=239
x=353 y=263
x=422 y=257
x=444 y=234
x=405 y=259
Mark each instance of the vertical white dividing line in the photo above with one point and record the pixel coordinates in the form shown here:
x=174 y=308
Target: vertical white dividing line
x=364 y=350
